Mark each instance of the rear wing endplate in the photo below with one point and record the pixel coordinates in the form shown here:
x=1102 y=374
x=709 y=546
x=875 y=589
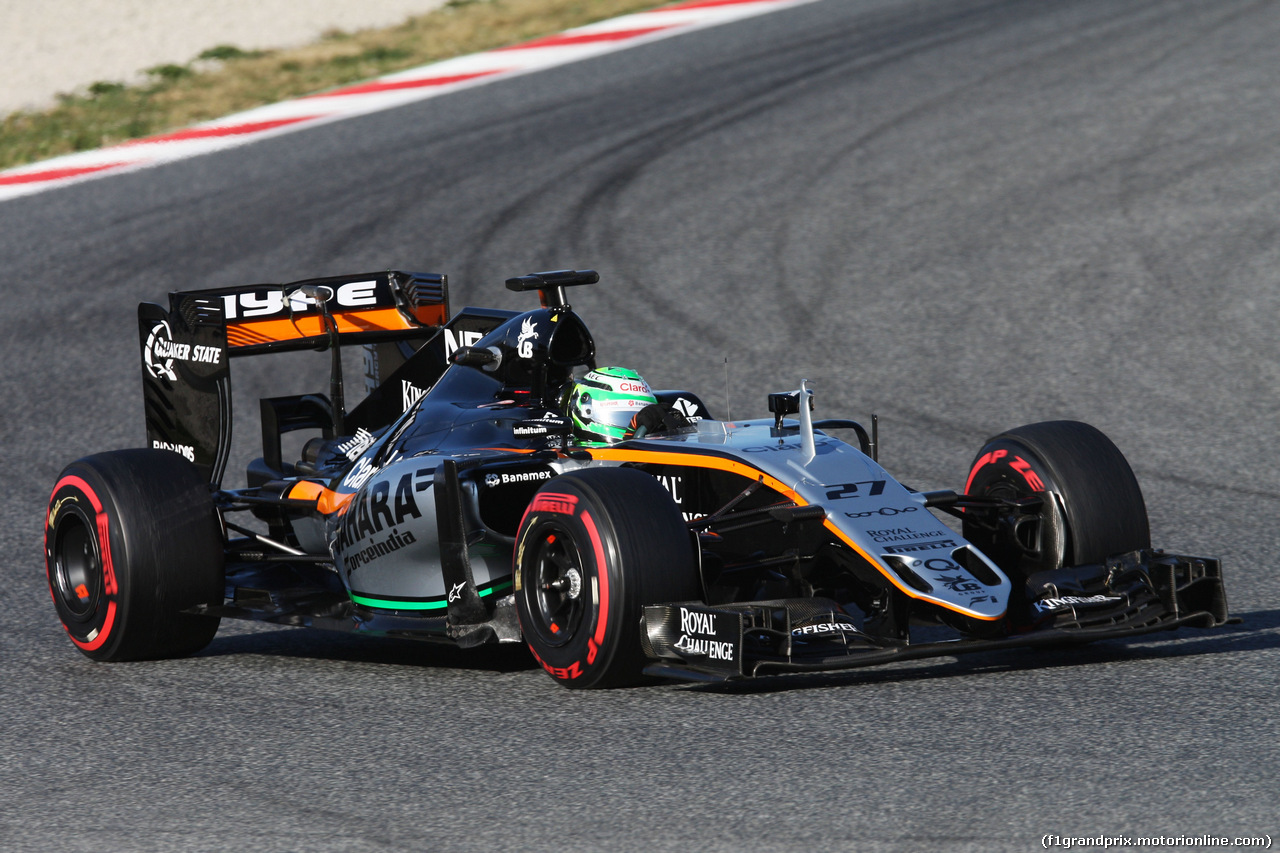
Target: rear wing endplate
x=185 y=350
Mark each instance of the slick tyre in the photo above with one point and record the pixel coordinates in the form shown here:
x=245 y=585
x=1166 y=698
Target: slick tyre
x=132 y=540
x=1093 y=506
x=593 y=548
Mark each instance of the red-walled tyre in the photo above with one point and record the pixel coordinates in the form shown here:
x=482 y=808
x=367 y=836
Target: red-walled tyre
x=132 y=540
x=1093 y=508
x=594 y=547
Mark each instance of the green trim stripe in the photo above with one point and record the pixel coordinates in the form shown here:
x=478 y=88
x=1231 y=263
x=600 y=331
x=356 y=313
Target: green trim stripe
x=440 y=603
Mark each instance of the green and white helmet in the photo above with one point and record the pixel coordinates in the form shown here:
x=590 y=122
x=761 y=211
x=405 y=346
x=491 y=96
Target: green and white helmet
x=603 y=403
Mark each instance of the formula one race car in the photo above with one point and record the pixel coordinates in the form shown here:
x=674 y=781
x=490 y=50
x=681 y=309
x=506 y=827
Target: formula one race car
x=497 y=486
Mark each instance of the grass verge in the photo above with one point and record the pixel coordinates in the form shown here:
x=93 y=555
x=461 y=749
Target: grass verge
x=225 y=79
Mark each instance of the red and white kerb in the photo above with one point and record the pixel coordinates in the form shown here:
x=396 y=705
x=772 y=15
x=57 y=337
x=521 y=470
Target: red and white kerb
x=393 y=90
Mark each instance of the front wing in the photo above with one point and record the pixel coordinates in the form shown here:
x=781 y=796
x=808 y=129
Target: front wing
x=1133 y=594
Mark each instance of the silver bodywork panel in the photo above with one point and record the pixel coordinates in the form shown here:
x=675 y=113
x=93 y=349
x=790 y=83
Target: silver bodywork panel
x=868 y=509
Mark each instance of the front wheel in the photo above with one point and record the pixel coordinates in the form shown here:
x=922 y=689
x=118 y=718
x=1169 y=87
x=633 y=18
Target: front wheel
x=132 y=540
x=1092 y=509
x=593 y=548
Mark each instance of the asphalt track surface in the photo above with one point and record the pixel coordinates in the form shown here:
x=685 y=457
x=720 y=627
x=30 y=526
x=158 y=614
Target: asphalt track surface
x=961 y=215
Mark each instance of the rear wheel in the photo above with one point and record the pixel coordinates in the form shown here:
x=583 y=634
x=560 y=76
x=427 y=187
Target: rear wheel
x=132 y=540
x=594 y=547
x=1093 y=506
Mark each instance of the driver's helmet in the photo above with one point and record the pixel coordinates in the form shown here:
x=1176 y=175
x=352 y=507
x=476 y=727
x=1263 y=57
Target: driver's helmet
x=603 y=404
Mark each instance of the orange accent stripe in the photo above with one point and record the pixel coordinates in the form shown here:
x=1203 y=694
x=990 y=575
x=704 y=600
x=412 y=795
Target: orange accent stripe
x=331 y=502
x=658 y=457
x=654 y=457
x=311 y=326
x=432 y=315
x=327 y=500
x=305 y=490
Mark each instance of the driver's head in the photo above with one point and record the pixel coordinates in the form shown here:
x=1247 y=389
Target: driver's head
x=603 y=404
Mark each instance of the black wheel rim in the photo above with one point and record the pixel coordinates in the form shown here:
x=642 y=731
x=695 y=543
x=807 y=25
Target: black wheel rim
x=558 y=594
x=77 y=567
x=1025 y=546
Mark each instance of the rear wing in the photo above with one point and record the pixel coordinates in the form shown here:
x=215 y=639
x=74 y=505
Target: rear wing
x=185 y=350
x=366 y=308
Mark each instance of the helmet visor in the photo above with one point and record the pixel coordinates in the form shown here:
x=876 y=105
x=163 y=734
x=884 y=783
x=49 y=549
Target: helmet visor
x=611 y=415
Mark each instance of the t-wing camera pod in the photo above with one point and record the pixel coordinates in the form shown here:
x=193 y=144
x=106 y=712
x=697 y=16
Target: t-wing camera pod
x=551 y=285
x=785 y=403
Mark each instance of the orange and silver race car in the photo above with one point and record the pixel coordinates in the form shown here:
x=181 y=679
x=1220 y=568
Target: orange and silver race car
x=462 y=502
